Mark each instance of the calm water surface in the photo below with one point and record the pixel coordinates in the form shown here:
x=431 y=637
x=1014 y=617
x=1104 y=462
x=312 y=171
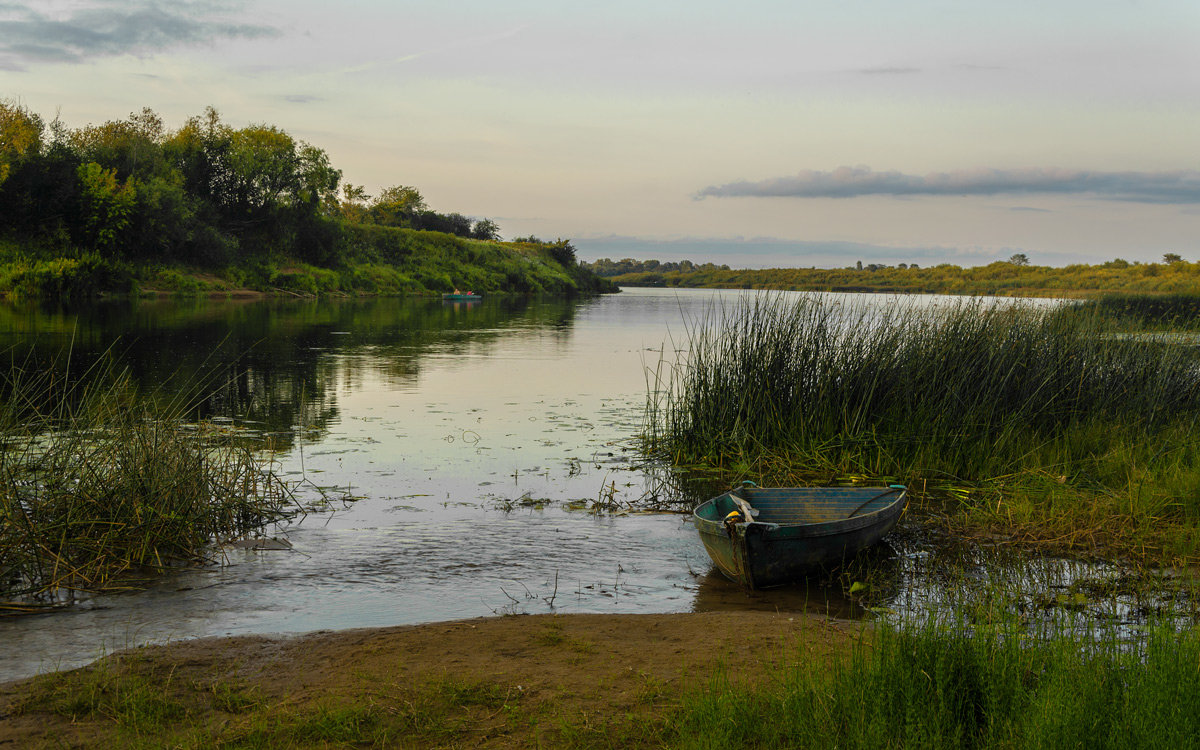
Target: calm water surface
x=474 y=437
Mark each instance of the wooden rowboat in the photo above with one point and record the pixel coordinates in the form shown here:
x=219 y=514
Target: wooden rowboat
x=762 y=537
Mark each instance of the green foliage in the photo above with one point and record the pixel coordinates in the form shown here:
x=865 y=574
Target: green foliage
x=485 y=229
x=20 y=136
x=212 y=196
x=306 y=280
x=962 y=685
x=441 y=262
x=377 y=278
x=65 y=278
x=395 y=206
x=106 y=206
x=179 y=284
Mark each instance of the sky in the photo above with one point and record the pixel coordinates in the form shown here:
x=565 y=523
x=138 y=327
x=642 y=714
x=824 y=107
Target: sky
x=756 y=134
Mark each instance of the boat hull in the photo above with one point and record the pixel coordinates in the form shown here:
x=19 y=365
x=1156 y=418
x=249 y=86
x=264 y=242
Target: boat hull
x=796 y=531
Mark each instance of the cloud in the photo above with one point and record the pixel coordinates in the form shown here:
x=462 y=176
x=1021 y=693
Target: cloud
x=1180 y=186
x=302 y=98
x=104 y=29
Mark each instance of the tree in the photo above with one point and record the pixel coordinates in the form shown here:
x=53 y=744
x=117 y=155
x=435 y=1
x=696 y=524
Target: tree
x=564 y=252
x=133 y=147
x=200 y=152
x=353 y=205
x=318 y=180
x=105 y=209
x=485 y=229
x=452 y=223
x=396 y=206
x=1172 y=258
x=265 y=168
x=1019 y=259
x=20 y=136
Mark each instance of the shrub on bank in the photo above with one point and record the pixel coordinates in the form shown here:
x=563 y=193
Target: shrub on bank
x=65 y=278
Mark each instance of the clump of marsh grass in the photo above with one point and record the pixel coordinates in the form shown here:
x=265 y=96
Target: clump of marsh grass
x=970 y=395
x=959 y=685
x=1155 y=312
x=99 y=486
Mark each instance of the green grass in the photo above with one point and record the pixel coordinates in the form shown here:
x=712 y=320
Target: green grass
x=1031 y=414
x=962 y=686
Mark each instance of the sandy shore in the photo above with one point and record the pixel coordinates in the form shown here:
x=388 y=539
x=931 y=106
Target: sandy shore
x=549 y=665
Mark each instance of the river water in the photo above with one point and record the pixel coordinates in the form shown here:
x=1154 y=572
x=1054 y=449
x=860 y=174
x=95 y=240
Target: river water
x=463 y=446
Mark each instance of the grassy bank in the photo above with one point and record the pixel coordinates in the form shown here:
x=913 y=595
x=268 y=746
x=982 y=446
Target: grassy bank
x=374 y=260
x=963 y=684
x=100 y=488
x=1033 y=422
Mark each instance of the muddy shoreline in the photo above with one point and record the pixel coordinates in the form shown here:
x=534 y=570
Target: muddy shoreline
x=548 y=665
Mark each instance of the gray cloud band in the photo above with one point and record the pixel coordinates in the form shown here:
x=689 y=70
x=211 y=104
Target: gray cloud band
x=27 y=36
x=1180 y=186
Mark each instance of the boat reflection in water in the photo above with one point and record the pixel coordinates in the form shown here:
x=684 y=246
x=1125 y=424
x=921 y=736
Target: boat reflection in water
x=877 y=571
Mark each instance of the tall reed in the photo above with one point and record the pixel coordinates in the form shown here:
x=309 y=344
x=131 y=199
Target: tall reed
x=98 y=485
x=1145 y=311
x=969 y=392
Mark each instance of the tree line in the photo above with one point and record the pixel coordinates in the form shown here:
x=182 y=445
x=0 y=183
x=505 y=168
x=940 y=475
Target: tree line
x=205 y=194
x=1014 y=277
x=607 y=267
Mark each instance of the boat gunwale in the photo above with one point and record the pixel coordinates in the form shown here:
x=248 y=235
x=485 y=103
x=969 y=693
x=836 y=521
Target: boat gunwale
x=815 y=529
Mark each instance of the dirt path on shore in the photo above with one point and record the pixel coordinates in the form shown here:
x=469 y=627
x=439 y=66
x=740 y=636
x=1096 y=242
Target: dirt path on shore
x=499 y=682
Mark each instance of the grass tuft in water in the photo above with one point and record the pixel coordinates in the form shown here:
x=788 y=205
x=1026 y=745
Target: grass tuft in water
x=99 y=486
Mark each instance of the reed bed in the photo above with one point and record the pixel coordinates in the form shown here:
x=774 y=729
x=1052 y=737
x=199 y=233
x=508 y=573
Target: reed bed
x=100 y=488
x=962 y=686
x=1156 y=312
x=1023 y=413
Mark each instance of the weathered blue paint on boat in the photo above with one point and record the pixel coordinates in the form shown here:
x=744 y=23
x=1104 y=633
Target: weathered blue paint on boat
x=794 y=530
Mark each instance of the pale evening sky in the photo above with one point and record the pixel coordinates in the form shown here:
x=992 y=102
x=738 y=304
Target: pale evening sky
x=756 y=133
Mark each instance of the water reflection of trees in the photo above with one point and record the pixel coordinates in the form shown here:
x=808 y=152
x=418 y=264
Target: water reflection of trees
x=278 y=363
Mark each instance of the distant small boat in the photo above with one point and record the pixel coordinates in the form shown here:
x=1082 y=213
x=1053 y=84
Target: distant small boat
x=461 y=297
x=762 y=537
